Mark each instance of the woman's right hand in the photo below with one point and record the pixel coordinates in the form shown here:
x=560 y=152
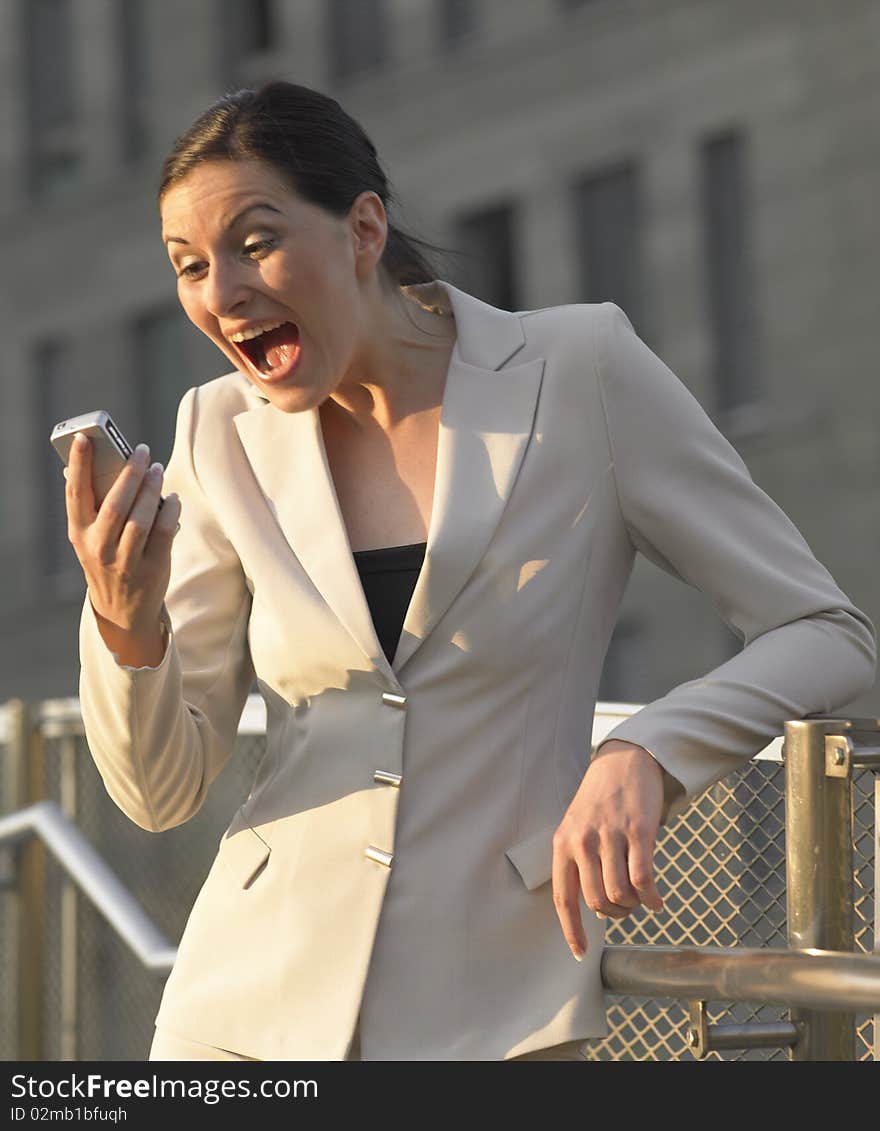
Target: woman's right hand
x=124 y=548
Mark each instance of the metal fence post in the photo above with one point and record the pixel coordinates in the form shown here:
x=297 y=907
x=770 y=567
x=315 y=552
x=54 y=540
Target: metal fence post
x=819 y=864
x=69 y=973
x=877 y=899
x=26 y=753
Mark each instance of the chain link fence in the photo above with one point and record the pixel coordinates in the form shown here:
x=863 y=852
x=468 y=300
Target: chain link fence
x=720 y=868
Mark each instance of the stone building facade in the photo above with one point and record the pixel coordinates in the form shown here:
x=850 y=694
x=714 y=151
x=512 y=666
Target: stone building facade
x=709 y=165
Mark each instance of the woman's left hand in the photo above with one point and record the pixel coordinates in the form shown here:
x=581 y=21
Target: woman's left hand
x=604 y=845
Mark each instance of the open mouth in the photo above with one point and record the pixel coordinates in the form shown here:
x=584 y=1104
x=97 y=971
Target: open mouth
x=273 y=353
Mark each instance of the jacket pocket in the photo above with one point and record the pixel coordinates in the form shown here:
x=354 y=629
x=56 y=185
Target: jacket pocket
x=243 y=855
x=533 y=857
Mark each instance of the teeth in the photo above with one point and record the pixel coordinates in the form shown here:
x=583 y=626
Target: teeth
x=246 y=335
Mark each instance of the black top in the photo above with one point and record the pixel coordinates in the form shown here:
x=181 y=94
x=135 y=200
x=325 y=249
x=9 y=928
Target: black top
x=388 y=576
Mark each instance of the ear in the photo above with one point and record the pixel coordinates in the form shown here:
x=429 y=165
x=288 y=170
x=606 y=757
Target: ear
x=369 y=230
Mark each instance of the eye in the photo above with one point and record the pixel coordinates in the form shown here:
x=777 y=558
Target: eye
x=191 y=270
x=259 y=248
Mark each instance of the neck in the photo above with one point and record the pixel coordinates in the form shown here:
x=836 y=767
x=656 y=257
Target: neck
x=401 y=369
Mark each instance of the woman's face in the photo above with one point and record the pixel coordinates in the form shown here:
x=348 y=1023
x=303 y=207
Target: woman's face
x=276 y=282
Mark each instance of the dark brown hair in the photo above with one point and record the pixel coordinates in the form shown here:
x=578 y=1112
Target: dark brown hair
x=322 y=152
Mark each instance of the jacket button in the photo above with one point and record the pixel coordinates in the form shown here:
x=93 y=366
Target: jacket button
x=392 y=700
x=379 y=855
x=387 y=777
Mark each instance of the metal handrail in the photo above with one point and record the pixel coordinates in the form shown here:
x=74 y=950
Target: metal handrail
x=808 y=979
x=94 y=877
x=805 y=979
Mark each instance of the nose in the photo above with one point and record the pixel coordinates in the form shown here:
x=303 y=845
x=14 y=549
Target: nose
x=226 y=289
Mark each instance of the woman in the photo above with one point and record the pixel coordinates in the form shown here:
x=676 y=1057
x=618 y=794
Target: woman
x=423 y=863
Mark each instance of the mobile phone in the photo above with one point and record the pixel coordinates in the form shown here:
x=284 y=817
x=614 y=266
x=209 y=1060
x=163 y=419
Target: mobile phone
x=110 y=449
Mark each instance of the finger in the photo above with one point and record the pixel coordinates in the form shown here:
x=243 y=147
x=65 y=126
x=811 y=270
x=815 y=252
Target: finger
x=78 y=494
x=566 y=889
x=622 y=898
x=119 y=500
x=142 y=514
x=165 y=527
x=593 y=887
x=641 y=872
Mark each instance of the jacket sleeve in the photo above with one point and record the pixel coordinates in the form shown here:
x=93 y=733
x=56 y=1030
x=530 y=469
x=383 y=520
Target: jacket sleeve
x=159 y=736
x=691 y=507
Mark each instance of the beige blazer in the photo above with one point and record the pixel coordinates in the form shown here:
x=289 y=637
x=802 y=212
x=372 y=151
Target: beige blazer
x=394 y=855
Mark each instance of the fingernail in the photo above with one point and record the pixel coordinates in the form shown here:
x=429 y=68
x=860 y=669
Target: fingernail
x=599 y=915
x=577 y=955
x=156 y=467
x=142 y=451
x=176 y=528
x=80 y=440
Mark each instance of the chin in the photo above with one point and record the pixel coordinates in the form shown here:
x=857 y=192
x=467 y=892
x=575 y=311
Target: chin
x=293 y=399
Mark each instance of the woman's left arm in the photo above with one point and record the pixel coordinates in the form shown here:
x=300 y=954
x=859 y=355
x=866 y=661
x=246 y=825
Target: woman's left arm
x=690 y=506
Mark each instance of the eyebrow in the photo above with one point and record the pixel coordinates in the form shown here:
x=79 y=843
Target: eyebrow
x=235 y=219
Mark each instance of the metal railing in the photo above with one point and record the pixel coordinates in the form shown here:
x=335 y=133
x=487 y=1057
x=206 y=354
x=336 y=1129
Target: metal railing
x=817 y=977
x=820 y=756
x=94 y=878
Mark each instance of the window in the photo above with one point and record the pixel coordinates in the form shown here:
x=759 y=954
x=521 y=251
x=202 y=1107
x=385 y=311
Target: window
x=246 y=27
x=56 y=397
x=134 y=76
x=625 y=674
x=54 y=156
x=357 y=36
x=162 y=374
x=457 y=19
x=731 y=303
x=486 y=240
x=609 y=243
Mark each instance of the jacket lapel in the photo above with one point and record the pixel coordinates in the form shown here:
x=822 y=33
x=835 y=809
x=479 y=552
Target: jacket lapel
x=486 y=421
x=286 y=452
